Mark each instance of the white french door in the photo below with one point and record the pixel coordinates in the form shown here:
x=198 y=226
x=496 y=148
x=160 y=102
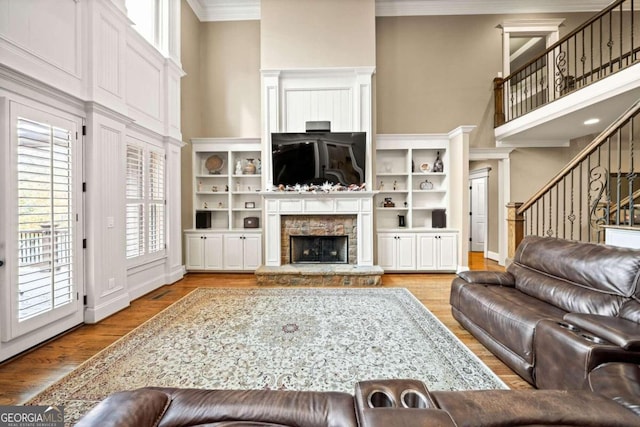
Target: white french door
x=44 y=245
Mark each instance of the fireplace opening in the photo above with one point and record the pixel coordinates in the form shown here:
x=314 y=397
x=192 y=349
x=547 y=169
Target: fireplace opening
x=319 y=249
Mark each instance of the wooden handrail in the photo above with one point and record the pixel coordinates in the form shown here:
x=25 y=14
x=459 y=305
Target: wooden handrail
x=568 y=36
x=625 y=201
x=633 y=110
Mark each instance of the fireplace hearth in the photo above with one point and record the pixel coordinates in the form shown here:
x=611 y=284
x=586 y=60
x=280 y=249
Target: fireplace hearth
x=319 y=249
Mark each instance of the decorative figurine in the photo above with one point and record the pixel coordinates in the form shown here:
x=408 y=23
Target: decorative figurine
x=238 y=167
x=381 y=186
x=438 y=165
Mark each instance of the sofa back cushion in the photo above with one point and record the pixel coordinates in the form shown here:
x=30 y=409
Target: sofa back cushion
x=577 y=277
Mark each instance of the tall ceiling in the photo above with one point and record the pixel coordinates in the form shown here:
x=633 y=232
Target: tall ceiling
x=232 y=10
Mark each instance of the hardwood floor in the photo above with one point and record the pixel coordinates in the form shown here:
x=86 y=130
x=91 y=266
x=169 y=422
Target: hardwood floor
x=24 y=376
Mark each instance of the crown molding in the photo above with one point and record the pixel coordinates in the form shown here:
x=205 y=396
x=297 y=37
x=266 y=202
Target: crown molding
x=473 y=7
x=226 y=10
x=241 y=10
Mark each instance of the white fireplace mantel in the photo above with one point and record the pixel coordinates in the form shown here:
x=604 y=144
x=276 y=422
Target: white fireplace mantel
x=358 y=203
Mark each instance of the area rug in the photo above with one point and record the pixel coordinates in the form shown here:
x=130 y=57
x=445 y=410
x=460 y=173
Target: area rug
x=287 y=339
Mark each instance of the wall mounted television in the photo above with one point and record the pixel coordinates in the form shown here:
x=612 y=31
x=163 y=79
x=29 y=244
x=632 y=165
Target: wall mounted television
x=318 y=157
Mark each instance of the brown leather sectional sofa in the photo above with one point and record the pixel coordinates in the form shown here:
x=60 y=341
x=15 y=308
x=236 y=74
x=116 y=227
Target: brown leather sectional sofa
x=383 y=403
x=560 y=310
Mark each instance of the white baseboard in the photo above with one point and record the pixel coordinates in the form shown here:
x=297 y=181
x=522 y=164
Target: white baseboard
x=96 y=314
x=494 y=256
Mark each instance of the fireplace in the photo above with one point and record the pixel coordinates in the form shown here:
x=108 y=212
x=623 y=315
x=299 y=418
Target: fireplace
x=319 y=230
x=319 y=249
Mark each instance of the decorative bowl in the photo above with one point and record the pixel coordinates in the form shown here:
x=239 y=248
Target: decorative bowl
x=214 y=164
x=425 y=167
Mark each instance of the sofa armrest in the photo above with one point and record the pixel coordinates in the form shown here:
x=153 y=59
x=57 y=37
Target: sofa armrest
x=488 y=277
x=621 y=332
x=136 y=408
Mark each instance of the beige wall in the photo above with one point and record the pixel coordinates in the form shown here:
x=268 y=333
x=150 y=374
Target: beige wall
x=230 y=88
x=190 y=102
x=433 y=74
x=317 y=33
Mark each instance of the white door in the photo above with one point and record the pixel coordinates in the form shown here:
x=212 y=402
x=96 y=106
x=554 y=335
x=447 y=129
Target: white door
x=478 y=204
x=386 y=251
x=406 y=248
x=427 y=252
x=447 y=245
x=252 y=252
x=43 y=220
x=194 y=247
x=233 y=252
x=213 y=249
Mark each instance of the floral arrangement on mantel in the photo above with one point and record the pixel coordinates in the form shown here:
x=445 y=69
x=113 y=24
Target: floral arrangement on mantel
x=327 y=187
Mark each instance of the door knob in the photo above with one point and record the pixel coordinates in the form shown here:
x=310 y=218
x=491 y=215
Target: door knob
x=1 y=263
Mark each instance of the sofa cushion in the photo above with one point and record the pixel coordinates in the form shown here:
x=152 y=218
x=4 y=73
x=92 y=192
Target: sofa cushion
x=499 y=408
x=619 y=382
x=505 y=313
x=617 y=272
x=568 y=296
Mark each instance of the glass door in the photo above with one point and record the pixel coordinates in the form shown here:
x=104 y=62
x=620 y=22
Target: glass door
x=45 y=253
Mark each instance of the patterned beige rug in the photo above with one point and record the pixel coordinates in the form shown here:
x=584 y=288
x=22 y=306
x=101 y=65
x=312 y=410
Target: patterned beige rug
x=294 y=339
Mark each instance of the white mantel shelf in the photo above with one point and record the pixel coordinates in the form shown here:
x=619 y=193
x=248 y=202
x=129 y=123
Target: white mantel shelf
x=358 y=203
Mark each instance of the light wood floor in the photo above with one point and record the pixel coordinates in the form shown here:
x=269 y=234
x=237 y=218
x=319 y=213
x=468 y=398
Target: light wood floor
x=24 y=376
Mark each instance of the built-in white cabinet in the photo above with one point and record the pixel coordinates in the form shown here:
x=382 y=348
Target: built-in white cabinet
x=227 y=205
x=413 y=200
x=203 y=251
x=437 y=251
x=397 y=251
x=242 y=251
x=424 y=251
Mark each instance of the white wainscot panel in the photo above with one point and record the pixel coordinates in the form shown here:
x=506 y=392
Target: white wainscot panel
x=109 y=58
x=174 y=105
x=319 y=206
x=42 y=38
x=334 y=105
x=291 y=206
x=347 y=205
x=144 y=84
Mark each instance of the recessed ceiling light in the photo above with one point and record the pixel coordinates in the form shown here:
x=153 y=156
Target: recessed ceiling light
x=591 y=121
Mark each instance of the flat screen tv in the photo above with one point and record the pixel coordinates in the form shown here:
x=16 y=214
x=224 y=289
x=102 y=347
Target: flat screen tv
x=318 y=157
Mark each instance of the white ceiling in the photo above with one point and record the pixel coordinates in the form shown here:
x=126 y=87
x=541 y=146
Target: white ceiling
x=233 y=10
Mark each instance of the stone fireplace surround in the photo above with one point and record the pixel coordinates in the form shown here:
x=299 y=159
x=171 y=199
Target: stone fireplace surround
x=330 y=213
x=319 y=225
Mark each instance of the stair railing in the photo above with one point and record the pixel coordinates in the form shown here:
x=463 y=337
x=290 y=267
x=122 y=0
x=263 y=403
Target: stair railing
x=597 y=188
x=605 y=44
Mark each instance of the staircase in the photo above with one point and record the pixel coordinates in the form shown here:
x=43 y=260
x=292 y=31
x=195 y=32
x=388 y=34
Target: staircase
x=599 y=189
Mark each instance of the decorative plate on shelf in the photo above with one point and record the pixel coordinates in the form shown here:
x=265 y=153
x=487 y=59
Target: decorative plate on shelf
x=425 y=167
x=214 y=164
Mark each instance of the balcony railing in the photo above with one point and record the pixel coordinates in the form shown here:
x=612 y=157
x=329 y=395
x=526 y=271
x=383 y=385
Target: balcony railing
x=605 y=44
x=599 y=187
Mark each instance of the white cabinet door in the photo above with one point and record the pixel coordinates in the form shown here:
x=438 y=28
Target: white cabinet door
x=194 y=246
x=447 y=252
x=406 y=252
x=213 y=252
x=233 y=252
x=427 y=252
x=437 y=252
x=397 y=251
x=252 y=252
x=386 y=251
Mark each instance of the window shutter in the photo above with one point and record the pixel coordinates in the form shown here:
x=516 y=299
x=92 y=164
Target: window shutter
x=135 y=202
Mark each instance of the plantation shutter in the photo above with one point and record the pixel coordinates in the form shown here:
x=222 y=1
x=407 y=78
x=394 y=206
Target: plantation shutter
x=135 y=202
x=156 y=201
x=45 y=218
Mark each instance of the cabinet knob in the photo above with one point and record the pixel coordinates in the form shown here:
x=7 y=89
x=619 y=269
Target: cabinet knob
x=1 y=263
